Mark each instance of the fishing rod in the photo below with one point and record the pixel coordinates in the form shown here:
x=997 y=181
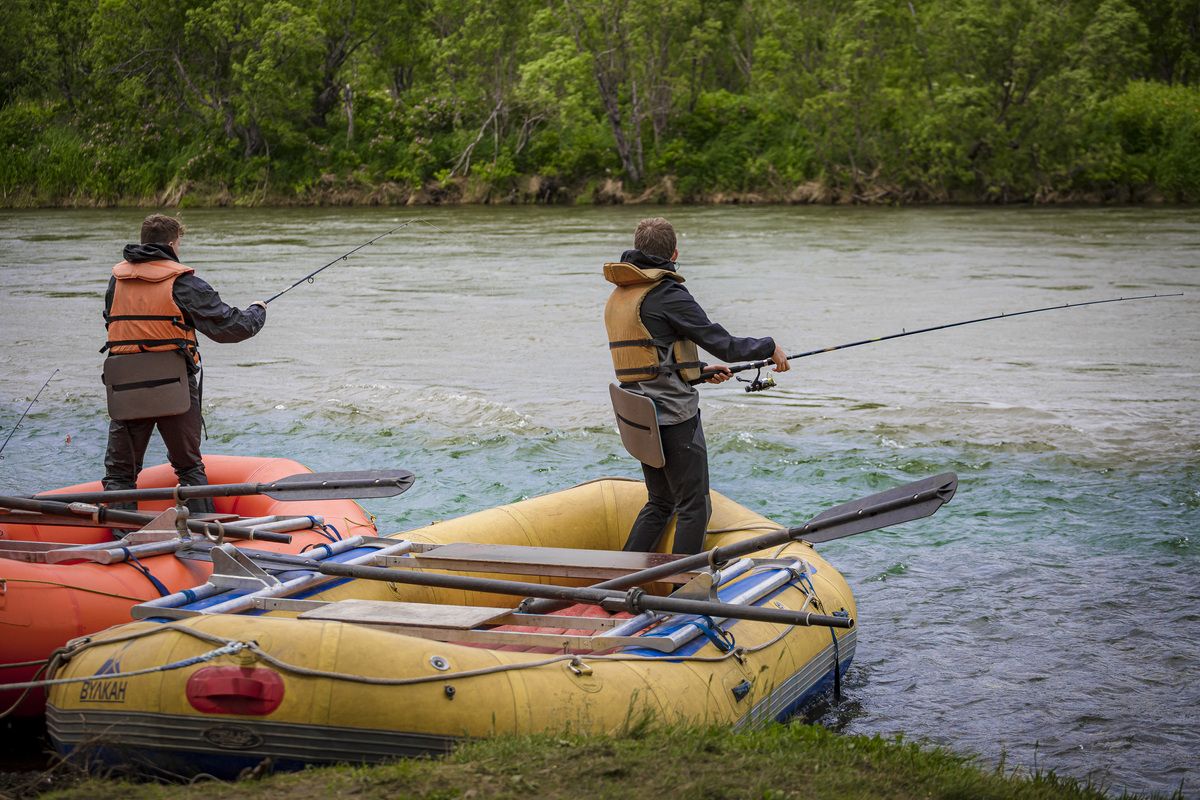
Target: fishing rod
x=310 y=276
x=22 y=419
x=758 y=383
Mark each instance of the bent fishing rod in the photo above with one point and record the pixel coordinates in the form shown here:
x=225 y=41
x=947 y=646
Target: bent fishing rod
x=310 y=276
x=758 y=383
x=22 y=419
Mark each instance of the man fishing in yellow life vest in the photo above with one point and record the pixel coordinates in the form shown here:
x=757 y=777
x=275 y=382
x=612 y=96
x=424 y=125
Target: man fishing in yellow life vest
x=654 y=326
x=152 y=310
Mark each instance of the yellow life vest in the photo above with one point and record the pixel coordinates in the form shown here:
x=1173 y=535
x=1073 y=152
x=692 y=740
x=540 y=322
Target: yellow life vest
x=144 y=316
x=634 y=350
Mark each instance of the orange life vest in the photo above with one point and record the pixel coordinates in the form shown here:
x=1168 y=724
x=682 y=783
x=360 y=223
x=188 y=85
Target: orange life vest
x=144 y=316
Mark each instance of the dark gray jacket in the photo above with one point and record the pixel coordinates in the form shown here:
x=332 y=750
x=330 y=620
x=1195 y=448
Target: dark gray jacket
x=670 y=312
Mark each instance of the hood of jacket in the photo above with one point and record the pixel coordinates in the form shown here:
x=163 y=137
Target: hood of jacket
x=153 y=251
x=647 y=261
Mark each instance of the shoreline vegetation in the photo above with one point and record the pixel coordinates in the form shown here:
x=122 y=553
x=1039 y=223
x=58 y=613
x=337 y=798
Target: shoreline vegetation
x=772 y=763
x=425 y=102
x=344 y=191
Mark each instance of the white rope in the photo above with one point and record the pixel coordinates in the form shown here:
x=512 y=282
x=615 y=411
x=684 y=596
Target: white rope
x=229 y=649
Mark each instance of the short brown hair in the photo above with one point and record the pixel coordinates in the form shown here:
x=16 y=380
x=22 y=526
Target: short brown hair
x=655 y=237
x=159 y=228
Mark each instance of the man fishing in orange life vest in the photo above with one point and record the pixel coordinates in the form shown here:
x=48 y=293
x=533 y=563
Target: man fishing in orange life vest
x=654 y=326
x=152 y=310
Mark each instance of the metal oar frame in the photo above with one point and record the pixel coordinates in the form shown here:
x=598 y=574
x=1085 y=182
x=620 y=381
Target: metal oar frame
x=263 y=581
x=83 y=508
x=258 y=580
x=216 y=530
x=165 y=533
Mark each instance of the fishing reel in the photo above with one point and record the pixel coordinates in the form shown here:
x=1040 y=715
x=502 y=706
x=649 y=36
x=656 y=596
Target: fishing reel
x=758 y=383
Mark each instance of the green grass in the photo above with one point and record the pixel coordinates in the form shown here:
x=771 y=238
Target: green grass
x=780 y=761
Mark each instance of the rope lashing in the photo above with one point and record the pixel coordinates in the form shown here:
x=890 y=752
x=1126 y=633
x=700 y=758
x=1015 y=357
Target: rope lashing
x=75 y=647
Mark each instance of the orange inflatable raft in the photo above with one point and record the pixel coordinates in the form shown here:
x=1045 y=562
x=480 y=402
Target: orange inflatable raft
x=44 y=605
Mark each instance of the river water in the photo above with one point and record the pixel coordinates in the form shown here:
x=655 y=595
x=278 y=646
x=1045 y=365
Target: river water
x=1049 y=617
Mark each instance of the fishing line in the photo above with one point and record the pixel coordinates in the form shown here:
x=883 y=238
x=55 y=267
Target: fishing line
x=758 y=383
x=22 y=419
x=310 y=276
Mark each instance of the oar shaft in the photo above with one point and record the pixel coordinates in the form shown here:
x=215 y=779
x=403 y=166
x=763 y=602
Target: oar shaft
x=158 y=493
x=33 y=518
x=333 y=487
x=101 y=516
x=634 y=601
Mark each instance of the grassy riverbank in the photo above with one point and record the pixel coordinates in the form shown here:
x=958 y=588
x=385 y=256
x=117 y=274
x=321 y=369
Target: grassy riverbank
x=777 y=762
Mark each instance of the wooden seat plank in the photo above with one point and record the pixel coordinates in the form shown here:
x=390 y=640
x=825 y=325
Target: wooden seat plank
x=550 y=561
x=394 y=612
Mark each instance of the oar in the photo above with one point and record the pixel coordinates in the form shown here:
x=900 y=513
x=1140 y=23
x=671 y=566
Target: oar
x=634 y=601
x=101 y=516
x=892 y=507
x=301 y=486
x=33 y=518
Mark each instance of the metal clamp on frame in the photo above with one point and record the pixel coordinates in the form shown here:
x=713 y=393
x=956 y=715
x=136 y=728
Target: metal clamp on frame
x=233 y=569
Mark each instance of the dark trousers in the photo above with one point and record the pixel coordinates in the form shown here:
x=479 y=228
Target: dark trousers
x=128 y=439
x=679 y=488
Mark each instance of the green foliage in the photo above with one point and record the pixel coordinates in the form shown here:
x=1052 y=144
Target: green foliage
x=734 y=143
x=108 y=101
x=1159 y=128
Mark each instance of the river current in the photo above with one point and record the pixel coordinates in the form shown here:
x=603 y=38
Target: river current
x=1048 y=618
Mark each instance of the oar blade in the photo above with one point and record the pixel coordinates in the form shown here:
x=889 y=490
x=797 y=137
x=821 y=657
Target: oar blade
x=357 y=484
x=940 y=488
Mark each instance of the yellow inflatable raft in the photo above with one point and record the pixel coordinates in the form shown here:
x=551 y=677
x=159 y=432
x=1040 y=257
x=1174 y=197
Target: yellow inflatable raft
x=301 y=667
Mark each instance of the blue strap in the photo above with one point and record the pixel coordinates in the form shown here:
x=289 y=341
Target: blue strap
x=723 y=639
x=163 y=591
x=806 y=582
x=324 y=529
x=837 y=661
x=189 y=596
x=312 y=546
